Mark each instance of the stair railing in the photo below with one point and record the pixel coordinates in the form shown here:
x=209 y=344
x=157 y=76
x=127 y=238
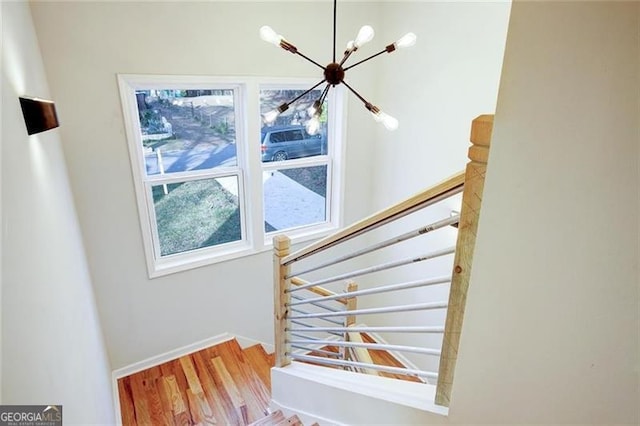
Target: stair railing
x=305 y=310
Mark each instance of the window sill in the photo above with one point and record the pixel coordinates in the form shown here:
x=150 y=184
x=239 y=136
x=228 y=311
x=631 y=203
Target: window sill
x=180 y=263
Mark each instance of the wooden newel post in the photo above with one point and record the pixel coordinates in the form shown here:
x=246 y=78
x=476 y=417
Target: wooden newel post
x=281 y=247
x=351 y=305
x=481 y=129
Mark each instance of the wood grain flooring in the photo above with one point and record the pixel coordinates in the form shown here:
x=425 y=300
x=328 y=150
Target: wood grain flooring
x=222 y=385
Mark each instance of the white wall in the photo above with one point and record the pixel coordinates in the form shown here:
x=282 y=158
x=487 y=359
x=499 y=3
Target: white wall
x=52 y=347
x=1 y=59
x=435 y=89
x=84 y=45
x=551 y=330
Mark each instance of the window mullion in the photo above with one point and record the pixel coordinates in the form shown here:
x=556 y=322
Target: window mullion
x=255 y=196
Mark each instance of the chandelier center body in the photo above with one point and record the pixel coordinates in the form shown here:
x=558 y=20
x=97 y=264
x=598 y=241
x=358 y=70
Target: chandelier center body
x=334 y=73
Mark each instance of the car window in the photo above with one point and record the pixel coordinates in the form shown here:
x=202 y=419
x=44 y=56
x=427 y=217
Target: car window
x=294 y=135
x=278 y=137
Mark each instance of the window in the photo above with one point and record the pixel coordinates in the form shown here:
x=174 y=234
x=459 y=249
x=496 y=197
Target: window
x=212 y=181
x=295 y=187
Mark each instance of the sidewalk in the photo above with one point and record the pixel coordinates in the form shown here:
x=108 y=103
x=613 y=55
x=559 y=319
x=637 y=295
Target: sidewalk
x=288 y=204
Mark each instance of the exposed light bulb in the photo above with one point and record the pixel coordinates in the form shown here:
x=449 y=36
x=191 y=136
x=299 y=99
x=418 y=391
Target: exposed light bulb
x=270 y=116
x=407 y=40
x=350 y=46
x=387 y=121
x=365 y=35
x=270 y=36
x=313 y=125
x=314 y=109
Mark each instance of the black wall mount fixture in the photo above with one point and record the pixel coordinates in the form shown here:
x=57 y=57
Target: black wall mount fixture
x=39 y=114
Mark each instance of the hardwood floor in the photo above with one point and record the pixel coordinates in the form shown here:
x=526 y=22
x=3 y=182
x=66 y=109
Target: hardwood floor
x=223 y=385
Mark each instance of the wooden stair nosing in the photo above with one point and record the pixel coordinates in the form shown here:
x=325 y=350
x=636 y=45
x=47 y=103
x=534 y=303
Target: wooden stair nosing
x=272 y=419
x=290 y=421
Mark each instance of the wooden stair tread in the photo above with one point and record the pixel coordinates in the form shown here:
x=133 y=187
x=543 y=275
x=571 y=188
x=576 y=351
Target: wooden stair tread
x=272 y=419
x=291 y=421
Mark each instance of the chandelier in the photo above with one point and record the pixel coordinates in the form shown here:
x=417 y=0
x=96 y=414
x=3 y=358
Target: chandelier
x=334 y=73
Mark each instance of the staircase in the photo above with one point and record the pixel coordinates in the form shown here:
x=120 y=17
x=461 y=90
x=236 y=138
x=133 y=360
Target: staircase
x=402 y=274
x=277 y=418
x=374 y=356
x=316 y=322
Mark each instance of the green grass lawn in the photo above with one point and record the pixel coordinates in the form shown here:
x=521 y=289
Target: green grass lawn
x=195 y=214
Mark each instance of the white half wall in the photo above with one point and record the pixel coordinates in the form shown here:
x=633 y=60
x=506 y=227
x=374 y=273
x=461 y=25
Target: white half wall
x=52 y=346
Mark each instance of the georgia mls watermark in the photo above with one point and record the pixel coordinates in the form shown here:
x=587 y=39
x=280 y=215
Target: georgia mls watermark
x=30 y=415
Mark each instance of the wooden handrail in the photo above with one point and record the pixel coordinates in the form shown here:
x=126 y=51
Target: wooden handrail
x=320 y=291
x=403 y=208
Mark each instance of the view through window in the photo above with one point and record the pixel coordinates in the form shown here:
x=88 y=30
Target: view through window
x=294 y=195
x=208 y=188
x=185 y=136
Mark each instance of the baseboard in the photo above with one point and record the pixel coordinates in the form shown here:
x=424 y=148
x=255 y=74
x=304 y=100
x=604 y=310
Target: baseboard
x=169 y=355
x=245 y=342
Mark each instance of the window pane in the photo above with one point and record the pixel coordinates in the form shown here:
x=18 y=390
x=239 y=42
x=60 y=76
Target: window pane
x=187 y=129
x=294 y=197
x=197 y=214
x=287 y=137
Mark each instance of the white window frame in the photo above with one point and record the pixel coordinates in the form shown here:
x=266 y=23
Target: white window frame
x=249 y=168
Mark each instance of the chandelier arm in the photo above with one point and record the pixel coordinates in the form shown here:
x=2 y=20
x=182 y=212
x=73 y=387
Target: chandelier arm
x=305 y=92
x=367 y=104
x=309 y=59
x=367 y=59
x=347 y=54
x=335 y=5
x=325 y=92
